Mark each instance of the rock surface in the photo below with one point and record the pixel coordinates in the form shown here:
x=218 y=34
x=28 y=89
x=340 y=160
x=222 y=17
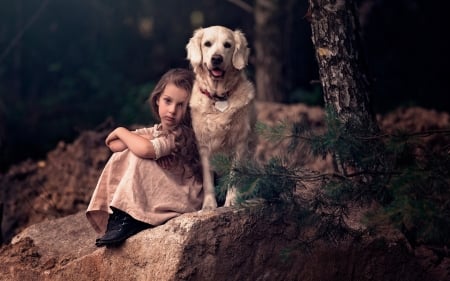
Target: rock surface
x=226 y=244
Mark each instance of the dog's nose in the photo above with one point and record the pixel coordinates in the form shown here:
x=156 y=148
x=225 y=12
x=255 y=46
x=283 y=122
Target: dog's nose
x=216 y=60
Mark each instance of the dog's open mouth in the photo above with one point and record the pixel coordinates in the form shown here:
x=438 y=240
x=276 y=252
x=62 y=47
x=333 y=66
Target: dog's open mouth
x=216 y=72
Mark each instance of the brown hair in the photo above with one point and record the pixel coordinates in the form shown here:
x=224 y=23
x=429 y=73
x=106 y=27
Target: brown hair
x=183 y=79
x=186 y=150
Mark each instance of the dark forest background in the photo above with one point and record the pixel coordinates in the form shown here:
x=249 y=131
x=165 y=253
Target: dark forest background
x=68 y=65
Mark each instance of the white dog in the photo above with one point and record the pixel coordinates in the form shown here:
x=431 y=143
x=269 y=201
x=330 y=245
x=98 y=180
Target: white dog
x=222 y=101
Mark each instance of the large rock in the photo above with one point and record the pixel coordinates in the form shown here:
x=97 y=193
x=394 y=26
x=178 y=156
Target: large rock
x=226 y=244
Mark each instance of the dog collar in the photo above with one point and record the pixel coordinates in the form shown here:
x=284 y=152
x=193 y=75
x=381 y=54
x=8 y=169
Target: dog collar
x=214 y=98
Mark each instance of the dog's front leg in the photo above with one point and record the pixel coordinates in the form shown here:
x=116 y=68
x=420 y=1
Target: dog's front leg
x=230 y=199
x=209 y=200
x=242 y=153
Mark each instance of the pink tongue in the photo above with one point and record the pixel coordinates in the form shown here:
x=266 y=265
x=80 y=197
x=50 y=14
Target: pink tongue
x=217 y=72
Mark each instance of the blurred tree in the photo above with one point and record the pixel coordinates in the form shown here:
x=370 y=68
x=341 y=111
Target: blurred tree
x=269 y=48
x=276 y=58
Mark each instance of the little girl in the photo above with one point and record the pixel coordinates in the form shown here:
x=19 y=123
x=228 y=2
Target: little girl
x=154 y=173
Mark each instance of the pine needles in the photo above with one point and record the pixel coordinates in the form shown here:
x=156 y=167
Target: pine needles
x=401 y=172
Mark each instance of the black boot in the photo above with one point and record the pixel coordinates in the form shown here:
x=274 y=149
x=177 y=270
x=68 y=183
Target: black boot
x=120 y=227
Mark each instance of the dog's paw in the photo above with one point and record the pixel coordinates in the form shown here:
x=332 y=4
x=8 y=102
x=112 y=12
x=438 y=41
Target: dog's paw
x=209 y=203
x=229 y=203
x=209 y=207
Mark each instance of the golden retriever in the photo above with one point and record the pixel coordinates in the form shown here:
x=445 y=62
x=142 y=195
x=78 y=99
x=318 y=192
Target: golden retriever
x=222 y=101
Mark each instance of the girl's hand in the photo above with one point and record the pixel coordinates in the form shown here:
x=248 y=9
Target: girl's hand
x=112 y=136
x=166 y=162
x=121 y=139
x=114 y=142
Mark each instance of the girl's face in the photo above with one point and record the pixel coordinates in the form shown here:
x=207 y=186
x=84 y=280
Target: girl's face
x=172 y=105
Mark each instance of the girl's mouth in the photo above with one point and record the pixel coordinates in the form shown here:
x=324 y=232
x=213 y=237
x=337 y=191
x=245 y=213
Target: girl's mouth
x=169 y=119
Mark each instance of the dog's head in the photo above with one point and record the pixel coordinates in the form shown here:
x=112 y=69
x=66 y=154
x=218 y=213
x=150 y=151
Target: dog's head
x=217 y=49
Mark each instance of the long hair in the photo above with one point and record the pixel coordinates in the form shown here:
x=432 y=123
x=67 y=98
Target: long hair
x=186 y=150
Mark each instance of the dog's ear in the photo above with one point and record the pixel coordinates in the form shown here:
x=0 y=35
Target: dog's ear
x=241 y=51
x=193 y=48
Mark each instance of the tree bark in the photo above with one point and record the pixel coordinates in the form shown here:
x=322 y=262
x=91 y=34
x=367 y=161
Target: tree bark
x=344 y=78
x=342 y=68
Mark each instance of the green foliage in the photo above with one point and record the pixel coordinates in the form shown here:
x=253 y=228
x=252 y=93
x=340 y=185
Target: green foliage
x=405 y=173
x=274 y=133
x=349 y=142
x=420 y=190
x=271 y=181
x=399 y=171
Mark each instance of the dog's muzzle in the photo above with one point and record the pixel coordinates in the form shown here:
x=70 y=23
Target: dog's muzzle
x=216 y=71
x=216 y=60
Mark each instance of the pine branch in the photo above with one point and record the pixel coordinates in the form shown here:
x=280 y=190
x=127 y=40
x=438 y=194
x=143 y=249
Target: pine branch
x=406 y=176
x=406 y=135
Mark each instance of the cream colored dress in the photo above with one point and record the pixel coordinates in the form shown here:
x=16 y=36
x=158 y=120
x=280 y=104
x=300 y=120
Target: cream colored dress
x=142 y=188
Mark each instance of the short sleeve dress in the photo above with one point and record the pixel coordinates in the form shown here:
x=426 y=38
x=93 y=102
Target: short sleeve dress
x=142 y=188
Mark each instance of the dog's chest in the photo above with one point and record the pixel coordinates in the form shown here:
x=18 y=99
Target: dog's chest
x=216 y=126
x=209 y=116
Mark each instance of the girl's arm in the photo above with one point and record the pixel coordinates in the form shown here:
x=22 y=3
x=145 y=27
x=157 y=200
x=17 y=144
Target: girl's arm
x=121 y=138
x=116 y=145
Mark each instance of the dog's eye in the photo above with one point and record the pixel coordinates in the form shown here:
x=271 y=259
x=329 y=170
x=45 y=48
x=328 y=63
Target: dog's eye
x=207 y=44
x=227 y=45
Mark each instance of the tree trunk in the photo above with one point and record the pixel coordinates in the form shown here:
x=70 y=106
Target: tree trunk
x=343 y=73
x=268 y=43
